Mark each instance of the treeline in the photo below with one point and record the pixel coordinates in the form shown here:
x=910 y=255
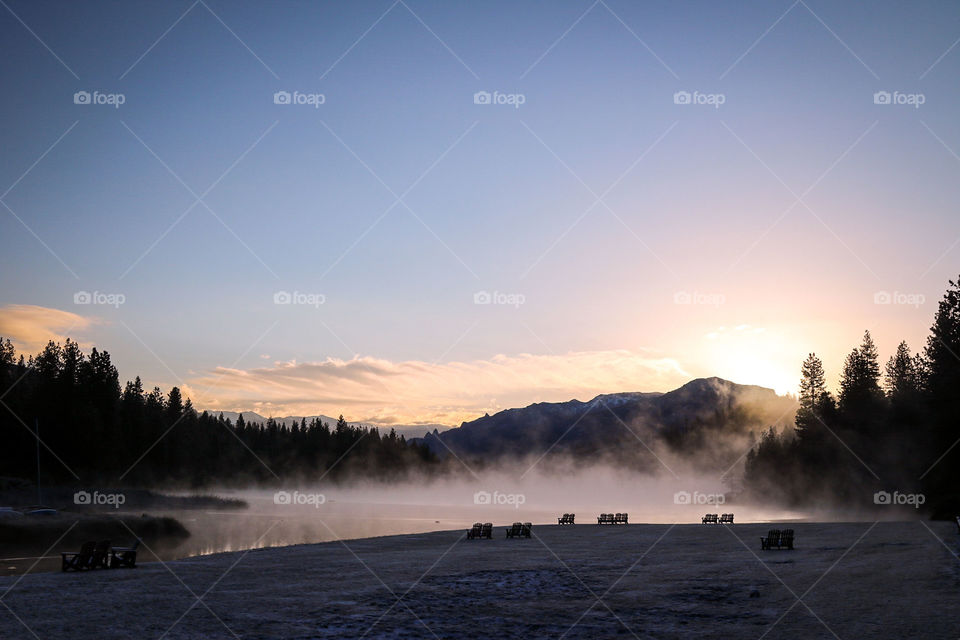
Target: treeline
x=890 y=430
x=92 y=429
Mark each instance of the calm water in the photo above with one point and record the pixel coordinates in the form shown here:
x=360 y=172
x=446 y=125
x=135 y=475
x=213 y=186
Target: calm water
x=361 y=513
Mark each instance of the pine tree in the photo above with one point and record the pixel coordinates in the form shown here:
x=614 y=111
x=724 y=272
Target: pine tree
x=813 y=389
x=860 y=380
x=900 y=381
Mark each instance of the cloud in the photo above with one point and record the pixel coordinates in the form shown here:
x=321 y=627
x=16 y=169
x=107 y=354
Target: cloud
x=30 y=327
x=417 y=392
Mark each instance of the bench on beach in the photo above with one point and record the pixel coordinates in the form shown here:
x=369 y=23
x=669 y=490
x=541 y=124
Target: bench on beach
x=567 y=518
x=519 y=530
x=779 y=539
x=711 y=518
x=124 y=556
x=726 y=518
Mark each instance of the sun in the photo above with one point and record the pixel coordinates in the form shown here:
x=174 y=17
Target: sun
x=753 y=355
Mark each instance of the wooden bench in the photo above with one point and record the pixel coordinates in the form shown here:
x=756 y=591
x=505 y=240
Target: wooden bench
x=620 y=518
x=726 y=518
x=779 y=539
x=711 y=518
x=567 y=518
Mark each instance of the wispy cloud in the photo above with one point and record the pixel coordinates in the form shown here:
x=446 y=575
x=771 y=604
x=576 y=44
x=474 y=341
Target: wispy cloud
x=412 y=391
x=29 y=327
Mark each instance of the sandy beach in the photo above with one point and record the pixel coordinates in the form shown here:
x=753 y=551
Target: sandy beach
x=856 y=580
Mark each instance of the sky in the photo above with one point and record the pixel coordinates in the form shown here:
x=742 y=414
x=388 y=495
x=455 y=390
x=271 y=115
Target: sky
x=417 y=212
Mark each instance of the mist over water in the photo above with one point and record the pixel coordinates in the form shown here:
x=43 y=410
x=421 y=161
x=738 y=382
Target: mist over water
x=326 y=513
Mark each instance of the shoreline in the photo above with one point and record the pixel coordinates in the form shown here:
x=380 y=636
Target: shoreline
x=668 y=581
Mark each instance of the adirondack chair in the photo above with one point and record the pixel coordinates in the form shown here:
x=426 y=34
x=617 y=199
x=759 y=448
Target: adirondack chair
x=515 y=530
x=710 y=518
x=726 y=518
x=474 y=531
x=101 y=555
x=486 y=531
x=124 y=556
x=772 y=539
x=605 y=518
x=525 y=530
x=80 y=560
x=786 y=539
x=621 y=518
x=567 y=518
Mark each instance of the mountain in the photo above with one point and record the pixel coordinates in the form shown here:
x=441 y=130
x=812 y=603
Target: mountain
x=405 y=430
x=712 y=419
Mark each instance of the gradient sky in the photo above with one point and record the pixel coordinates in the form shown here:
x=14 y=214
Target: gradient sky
x=599 y=203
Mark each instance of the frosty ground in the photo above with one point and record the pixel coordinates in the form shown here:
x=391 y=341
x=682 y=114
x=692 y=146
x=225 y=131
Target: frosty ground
x=855 y=580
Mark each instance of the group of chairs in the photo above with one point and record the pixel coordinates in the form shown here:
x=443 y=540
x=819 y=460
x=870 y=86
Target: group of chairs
x=485 y=530
x=519 y=530
x=566 y=518
x=480 y=530
x=612 y=518
x=99 y=555
x=712 y=518
x=777 y=538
